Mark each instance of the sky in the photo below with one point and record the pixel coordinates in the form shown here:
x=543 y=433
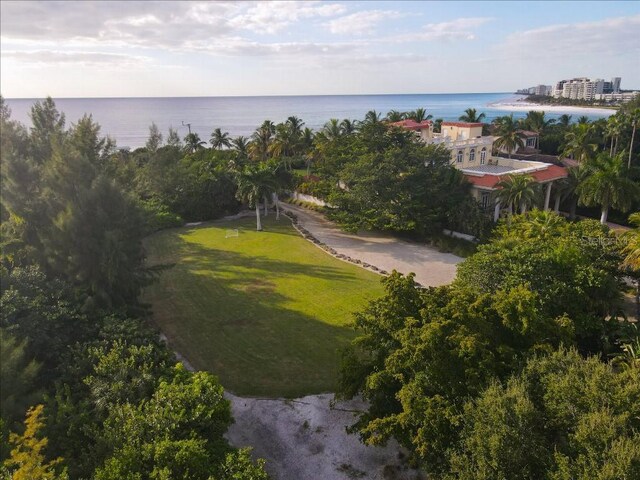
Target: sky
x=158 y=49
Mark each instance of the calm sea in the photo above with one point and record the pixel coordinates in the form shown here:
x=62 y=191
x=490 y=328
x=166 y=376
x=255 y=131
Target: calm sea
x=127 y=120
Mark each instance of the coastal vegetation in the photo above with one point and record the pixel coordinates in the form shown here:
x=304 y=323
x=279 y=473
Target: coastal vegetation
x=569 y=102
x=522 y=368
x=102 y=395
x=506 y=373
x=605 y=179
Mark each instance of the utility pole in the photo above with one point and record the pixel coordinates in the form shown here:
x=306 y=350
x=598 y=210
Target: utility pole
x=187 y=125
x=633 y=134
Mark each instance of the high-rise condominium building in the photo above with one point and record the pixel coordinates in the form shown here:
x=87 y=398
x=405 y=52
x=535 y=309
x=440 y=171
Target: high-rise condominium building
x=583 y=88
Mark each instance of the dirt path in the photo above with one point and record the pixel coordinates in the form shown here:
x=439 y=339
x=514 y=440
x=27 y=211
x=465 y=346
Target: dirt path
x=305 y=438
x=432 y=268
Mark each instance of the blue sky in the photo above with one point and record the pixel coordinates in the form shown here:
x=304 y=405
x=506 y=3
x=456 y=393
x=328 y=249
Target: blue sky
x=107 y=49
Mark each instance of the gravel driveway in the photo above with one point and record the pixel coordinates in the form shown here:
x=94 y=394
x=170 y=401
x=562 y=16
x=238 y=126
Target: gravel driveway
x=432 y=268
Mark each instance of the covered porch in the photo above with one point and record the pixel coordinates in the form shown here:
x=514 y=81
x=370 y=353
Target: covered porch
x=485 y=179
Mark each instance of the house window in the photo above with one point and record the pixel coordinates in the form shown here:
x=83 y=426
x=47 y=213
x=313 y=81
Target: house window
x=483 y=156
x=484 y=199
x=472 y=155
x=460 y=156
x=531 y=142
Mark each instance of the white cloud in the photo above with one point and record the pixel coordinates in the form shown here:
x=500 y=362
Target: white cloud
x=272 y=17
x=38 y=58
x=458 y=29
x=373 y=60
x=568 y=42
x=166 y=25
x=238 y=46
x=360 y=23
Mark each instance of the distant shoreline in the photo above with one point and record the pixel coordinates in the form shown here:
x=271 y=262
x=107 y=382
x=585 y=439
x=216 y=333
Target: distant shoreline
x=525 y=106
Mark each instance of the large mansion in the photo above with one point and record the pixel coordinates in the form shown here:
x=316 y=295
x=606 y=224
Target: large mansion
x=473 y=154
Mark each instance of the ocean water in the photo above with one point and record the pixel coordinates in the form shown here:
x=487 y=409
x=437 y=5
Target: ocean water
x=127 y=120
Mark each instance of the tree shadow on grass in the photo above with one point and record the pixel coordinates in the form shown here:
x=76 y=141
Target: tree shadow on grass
x=222 y=311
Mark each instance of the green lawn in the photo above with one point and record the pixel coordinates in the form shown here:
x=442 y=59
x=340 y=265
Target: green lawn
x=265 y=311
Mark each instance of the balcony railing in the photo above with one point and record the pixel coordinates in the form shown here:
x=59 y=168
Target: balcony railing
x=448 y=142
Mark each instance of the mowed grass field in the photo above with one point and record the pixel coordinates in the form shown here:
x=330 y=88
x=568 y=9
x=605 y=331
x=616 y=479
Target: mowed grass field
x=267 y=312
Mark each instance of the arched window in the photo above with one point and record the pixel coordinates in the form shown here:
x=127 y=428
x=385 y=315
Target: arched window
x=472 y=155
x=460 y=156
x=483 y=156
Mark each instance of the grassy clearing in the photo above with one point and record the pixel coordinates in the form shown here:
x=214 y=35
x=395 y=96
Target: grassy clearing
x=265 y=311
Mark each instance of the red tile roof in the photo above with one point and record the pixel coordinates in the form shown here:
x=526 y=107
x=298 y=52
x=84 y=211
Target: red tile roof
x=487 y=181
x=412 y=124
x=552 y=172
x=462 y=124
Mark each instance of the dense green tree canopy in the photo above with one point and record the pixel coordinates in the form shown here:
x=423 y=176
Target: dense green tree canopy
x=540 y=283
x=384 y=178
x=563 y=417
x=74 y=210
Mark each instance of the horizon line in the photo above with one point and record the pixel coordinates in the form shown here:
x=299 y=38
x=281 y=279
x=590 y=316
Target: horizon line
x=256 y=96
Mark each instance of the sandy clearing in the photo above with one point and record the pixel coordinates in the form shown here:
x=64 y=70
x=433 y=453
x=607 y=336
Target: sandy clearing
x=432 y=268
x=305 y=438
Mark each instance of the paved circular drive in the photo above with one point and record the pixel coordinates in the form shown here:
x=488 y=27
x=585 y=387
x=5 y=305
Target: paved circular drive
x=432 y=268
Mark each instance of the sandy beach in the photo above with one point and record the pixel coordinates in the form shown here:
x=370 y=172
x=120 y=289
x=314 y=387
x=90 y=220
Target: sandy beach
x=524 y=106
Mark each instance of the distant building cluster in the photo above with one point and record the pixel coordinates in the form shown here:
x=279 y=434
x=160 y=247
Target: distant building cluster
x=586 y=89
x=583 y=88
x=543 y=90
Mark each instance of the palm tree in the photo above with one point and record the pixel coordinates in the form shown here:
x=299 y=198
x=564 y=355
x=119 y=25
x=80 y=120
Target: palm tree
x=518 y=191
x=583 y=120
x=241 y=146
x=508 y=138
x=220 y=139
x=261 y=140
x=470 y=116
x=394 y=116
x=306 y=139
x=567 y=187
x=613 y=130
x=419 y=115
x=255 y=182
x=580 y=143
x=371 y=118
x=607 y=185
x=564 y=120
x=632 y=248
x=332 y=130
x=306 y=146
x=632 y=256
x=347 y=126
x=541 y=224
x=536 y=122
x=635 y=119
x=280 y=181
x=294 y=124
x=284 y=143
x=193 y=143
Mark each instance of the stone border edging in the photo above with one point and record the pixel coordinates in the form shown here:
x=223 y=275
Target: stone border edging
x=307 y=235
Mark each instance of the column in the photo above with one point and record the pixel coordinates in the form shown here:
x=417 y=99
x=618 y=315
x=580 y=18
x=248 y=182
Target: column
x=496 y=211
x=556 y=208
x=547 y=196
